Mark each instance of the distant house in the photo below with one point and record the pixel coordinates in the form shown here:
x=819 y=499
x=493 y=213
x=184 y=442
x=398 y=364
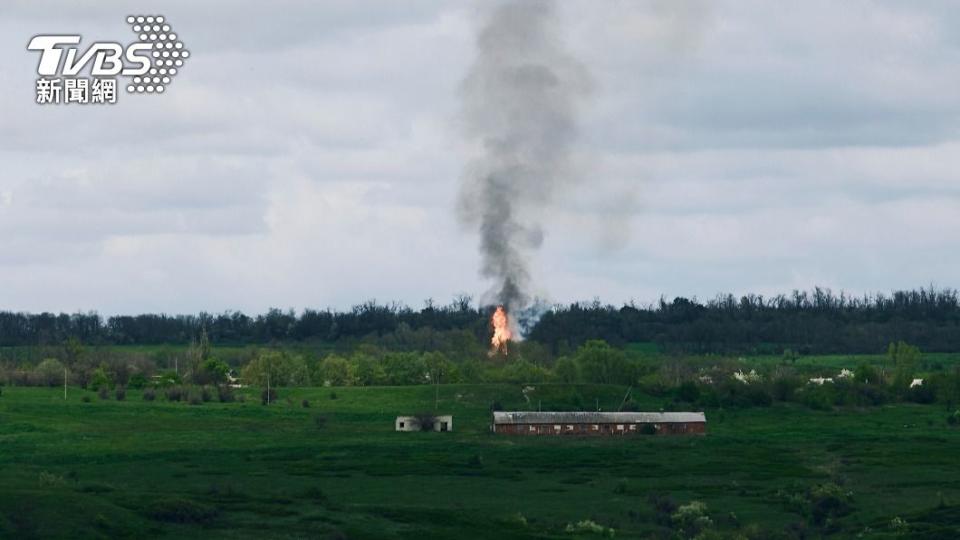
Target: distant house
x=599 y=423
x=414 y=423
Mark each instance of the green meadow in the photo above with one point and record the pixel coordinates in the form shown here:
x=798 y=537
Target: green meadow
x=336 y=469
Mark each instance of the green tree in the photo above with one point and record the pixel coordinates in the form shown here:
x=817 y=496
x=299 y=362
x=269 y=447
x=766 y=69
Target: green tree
x=904 y=357
x=521 y=371
x=100 y=378
x=367 y=370
x=50 y=372
x=866 y=374
x=213 y=371
x=405 y=368
x=334 y=371
x=440 y=368
x=276 y=369
x=601 y=363
x=566 y=370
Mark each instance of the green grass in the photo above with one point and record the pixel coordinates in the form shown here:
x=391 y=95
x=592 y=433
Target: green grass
x=108 y=469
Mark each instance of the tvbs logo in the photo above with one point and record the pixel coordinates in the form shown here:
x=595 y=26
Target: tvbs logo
x=149 y=64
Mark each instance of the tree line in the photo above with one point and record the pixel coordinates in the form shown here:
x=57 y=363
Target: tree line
x=817 y=321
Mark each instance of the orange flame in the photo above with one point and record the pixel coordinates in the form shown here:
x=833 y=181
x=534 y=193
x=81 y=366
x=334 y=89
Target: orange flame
x=501 y=332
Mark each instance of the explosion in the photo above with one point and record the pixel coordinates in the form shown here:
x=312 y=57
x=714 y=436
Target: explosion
x=501 y=332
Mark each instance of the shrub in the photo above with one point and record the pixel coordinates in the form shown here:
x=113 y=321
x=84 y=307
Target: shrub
x=104 y=392
x=425 y=421
x=121 y=393
x=174 y=393
x=688 y=392
x=266 y=397
x=205 y=394
x=95 y=487
x=181 y=511
x=85 y=399
x=622 y=487
x=225 y=393
x=137 y=381
x=663 y=508
x=692 y=518
x=590 y=527
x=49 y=479
x=828 y=501
x=149 y=394
x=305 y=404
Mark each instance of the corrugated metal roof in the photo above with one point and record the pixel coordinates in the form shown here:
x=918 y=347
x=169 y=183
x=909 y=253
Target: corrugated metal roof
x=576 y=417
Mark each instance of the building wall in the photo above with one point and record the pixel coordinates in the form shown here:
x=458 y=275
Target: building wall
x=410 y=423
x=610 y=430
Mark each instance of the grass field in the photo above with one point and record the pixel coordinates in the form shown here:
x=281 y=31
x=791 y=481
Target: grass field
x=109 y=469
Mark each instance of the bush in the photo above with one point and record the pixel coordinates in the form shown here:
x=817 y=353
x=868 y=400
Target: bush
x=267 y=398
x=195 y=397
x=663 y=508
x=174 y=393
x=425 y=421
x=305 y=404
x=622 y=487
x=181 y=511
x=205 y=394
x=104 y=392
x=121 y=393
x=225 y=393
x=688 y=392
x=692 y=518
x=137 y=381
x=85 y=399
x=149 y=394
x=591 y=527
x=828 y=501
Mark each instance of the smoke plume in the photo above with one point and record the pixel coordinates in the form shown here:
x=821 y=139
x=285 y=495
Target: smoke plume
x=520 y=101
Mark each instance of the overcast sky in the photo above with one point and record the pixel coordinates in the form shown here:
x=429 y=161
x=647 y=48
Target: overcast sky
x=309 y=155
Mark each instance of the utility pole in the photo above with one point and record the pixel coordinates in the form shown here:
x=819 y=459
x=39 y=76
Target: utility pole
x=64 y=383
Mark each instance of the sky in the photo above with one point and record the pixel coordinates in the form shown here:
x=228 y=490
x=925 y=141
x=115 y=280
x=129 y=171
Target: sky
x=310 y=154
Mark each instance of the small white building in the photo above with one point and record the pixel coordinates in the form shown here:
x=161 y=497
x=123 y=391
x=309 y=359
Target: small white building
x=441 y=422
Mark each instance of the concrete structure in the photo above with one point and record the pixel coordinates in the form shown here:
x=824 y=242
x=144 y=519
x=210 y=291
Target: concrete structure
x=599 y=423
x=441 y=422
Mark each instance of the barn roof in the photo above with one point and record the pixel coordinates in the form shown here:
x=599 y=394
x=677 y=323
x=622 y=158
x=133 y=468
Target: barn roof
x=576 y=417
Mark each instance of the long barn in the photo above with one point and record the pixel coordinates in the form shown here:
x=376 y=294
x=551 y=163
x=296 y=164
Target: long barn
x=599 y=423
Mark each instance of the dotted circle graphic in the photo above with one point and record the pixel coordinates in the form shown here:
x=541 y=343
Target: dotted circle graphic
x=166 y=50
